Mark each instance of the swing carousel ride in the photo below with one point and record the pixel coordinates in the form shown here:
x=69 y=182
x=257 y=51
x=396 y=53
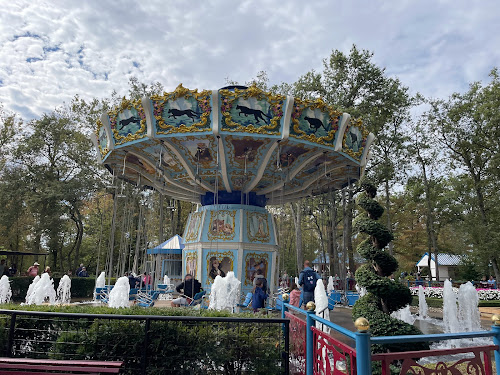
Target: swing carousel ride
x=232 y=151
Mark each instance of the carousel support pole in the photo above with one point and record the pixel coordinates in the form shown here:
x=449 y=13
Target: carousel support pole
x=160 y=233
x=112 y=237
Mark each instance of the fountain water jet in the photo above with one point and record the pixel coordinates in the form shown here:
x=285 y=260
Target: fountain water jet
x=225 y=293
x=422 y=303
x=64 y=290
x=31 y=288
x=119 y=295
x=42 y=291
x=166 y=280
x=321 y=300
x=450 y=312
x=330 y=286
x=404 y=314
x=99 y=283
x=468 y=312
x=5 y=290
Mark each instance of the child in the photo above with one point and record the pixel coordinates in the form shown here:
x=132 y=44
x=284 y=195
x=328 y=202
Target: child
x=259 y=296
x=294 y=295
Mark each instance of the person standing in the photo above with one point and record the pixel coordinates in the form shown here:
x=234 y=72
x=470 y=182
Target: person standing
x=259 y=275
x=146 y=279
x=79 y=269
x=295 y=295
x=33 y=270
x=12 y=270
x=492 y=283
x=259 y=296
x=83 y=273
x=307 y=279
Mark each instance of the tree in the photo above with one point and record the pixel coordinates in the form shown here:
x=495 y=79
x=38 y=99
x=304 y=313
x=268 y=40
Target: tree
x=354 y=84
x=58 y=165
x=9 y=127
x=467 y=127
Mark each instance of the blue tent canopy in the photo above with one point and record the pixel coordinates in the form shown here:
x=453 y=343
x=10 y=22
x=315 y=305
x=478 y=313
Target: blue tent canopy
x=171 y=246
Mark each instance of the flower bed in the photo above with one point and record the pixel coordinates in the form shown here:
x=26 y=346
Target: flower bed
x=437 y=292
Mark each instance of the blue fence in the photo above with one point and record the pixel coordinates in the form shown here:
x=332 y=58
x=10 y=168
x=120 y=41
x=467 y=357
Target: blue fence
x=363 y=340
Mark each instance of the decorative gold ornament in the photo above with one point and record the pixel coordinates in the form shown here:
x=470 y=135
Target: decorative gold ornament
x=496 y=319
x=362 y=324
x=285 y=297
x=311 y=306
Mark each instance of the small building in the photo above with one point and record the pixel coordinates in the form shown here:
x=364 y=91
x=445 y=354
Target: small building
x=167 y=260
x=447 y=264
x=322 y=264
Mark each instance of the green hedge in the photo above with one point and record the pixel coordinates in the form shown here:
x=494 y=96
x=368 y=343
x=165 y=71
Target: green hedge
x=173 y=346
x=81 y=287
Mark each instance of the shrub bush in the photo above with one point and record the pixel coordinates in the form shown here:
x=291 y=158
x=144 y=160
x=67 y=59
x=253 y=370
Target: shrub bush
x=384 y=295
x=173 y=346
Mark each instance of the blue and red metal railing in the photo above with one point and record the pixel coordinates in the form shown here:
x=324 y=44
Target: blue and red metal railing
x=361 y=357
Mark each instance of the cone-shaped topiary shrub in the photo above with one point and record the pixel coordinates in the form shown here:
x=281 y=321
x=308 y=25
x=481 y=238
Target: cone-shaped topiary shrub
x=383 y=294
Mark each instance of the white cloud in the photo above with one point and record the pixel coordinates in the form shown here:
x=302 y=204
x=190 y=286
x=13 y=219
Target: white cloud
x=51 y=51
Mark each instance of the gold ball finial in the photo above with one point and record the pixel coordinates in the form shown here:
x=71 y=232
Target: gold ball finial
x=285 y=297
x=496 y=319
x=362 y=324
x=311 y=306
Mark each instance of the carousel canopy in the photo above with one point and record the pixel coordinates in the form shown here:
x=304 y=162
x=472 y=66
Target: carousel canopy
x=171 y=246
x=249 y=144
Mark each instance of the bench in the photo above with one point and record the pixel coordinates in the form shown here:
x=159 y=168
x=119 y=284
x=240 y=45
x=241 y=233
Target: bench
x=26 y=366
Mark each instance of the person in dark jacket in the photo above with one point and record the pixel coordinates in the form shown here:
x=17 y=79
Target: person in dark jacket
x=189 y=287
x=83 y=273
x=259 y=296
x=307 y=279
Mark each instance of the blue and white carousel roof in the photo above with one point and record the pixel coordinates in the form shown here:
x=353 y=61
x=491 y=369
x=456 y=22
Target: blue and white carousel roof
x=188 y=143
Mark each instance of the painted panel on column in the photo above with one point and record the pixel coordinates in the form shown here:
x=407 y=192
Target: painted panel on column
x=191 y=263
x=253 y=261
x=193 y=227
x=218 y=262
x=258 y=227
x=222 y=226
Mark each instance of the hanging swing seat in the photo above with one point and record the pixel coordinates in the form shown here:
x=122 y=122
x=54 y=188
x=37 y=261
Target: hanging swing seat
x=333 y=298
x=102 y=294
x=246 y=303
x=147 y=299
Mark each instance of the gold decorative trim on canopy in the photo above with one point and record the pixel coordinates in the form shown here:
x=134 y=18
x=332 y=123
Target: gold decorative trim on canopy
x=127 y=104
x=103 y=150
x=333 y=121
x=364 y=132
x=228 y=98
x=203 y=100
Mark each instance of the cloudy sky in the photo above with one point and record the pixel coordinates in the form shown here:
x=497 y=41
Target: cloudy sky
x=52 y=50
